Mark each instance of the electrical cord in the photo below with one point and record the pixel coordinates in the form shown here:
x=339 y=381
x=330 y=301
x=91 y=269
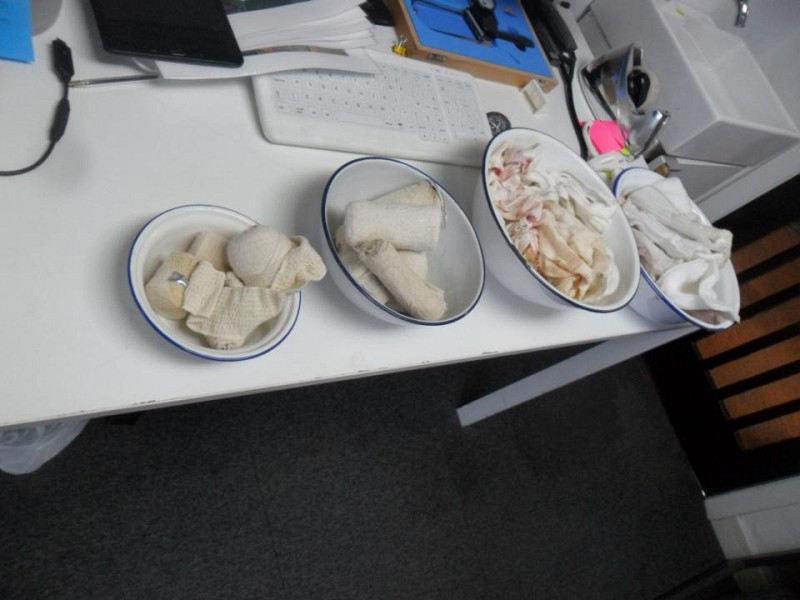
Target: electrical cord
x=62 y=61
x=567 y=68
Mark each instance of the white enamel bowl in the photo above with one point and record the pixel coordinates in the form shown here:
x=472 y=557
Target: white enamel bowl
x=508 y=265
x=455 y=265
x=173 y=230
x=650 y=301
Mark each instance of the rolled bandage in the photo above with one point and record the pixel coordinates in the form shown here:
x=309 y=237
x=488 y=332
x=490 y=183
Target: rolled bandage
x=362 y=275
x=203 y=290
x=237 y=313
x=211 y=246
x=412 y=293
x=256 y=255
x=422 y=193
x=406 y=225
x=165 y=289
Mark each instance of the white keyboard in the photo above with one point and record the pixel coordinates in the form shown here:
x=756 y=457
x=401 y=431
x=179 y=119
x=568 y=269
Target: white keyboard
x=409 y=109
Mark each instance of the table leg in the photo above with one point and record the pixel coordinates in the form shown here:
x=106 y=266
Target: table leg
x=586 y=363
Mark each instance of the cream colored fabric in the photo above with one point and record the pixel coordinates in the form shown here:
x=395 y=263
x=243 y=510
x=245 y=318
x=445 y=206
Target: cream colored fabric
x=301 y=265
x=264 y=257
x=422 y=193
x=237 y=313
x=256 y=255
x=413 y=294
x=416 y=261
x=405 y=226
x=165 y=289
x=231 y=280
x=203 y=290
x=211 y=246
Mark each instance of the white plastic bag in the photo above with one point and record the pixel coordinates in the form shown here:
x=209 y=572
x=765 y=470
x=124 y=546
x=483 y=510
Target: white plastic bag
x=25 y=450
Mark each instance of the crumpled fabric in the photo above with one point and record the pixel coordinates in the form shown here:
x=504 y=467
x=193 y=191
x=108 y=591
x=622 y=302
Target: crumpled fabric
x=679 y=251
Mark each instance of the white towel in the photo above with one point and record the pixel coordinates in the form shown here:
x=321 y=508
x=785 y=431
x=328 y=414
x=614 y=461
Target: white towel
x=678 y=250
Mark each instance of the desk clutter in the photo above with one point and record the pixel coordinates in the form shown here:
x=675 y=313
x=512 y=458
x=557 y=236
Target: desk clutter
x=220 y=286
x=491 y=40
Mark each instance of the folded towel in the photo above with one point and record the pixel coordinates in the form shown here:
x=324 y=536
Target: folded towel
x=165 y=289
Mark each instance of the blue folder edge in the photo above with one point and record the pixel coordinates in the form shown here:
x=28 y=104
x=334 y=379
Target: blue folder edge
x=16 y=30
x=431 y=22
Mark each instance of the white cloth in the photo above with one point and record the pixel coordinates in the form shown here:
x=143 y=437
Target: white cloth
x=679 y=251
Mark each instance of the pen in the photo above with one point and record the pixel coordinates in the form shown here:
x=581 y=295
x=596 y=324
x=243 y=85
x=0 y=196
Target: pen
x=122 y=79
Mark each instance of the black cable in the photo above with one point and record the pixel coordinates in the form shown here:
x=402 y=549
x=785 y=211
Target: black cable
x=567 y=68
x=62 y=61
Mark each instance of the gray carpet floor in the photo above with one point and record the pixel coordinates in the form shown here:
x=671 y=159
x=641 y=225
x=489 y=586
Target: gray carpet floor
x=368 y=489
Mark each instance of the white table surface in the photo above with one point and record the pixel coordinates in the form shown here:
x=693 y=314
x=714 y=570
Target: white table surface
x=75 y=344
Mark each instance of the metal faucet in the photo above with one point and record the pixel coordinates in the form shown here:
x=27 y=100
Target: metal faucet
x=741 y=16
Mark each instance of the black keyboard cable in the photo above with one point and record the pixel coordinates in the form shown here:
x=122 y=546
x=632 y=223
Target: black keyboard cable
x=62 y=61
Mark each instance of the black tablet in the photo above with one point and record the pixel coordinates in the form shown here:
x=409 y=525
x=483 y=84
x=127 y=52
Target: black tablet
x=187 y=30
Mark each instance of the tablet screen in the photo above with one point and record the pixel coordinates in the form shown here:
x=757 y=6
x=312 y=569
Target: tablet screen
x=191 y=30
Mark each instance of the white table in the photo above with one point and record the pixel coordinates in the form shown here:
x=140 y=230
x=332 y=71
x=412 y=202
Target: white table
x=75 y=345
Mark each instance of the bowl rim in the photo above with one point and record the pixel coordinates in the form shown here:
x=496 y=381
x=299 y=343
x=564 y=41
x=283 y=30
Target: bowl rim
x=326 y=230
x=296 y=300
x=626 y=173
x=504 y=235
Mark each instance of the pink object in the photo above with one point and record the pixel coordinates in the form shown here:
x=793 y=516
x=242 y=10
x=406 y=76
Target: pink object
x=606 y=136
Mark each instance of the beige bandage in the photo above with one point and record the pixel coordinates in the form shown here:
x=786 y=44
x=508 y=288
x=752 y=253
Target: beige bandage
x=300 y=265
x=211 y=246
x=413 y=294
x=237 y=313
x=405 y=226
x=165 y=289
x=203 y=290
x=257 y=254
x=362 y=275
x=422 y=193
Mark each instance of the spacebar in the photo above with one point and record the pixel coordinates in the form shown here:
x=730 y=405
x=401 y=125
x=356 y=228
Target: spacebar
x=392 y=126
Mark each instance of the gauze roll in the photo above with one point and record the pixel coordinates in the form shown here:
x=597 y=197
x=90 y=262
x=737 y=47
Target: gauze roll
x=211 y=246
x=256 y=255
x=410 y=218
x=412 y=293
x=165 y=289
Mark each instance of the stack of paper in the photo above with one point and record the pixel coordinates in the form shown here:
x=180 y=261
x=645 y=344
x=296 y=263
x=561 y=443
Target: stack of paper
x=267 y=24
x=285 y=35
